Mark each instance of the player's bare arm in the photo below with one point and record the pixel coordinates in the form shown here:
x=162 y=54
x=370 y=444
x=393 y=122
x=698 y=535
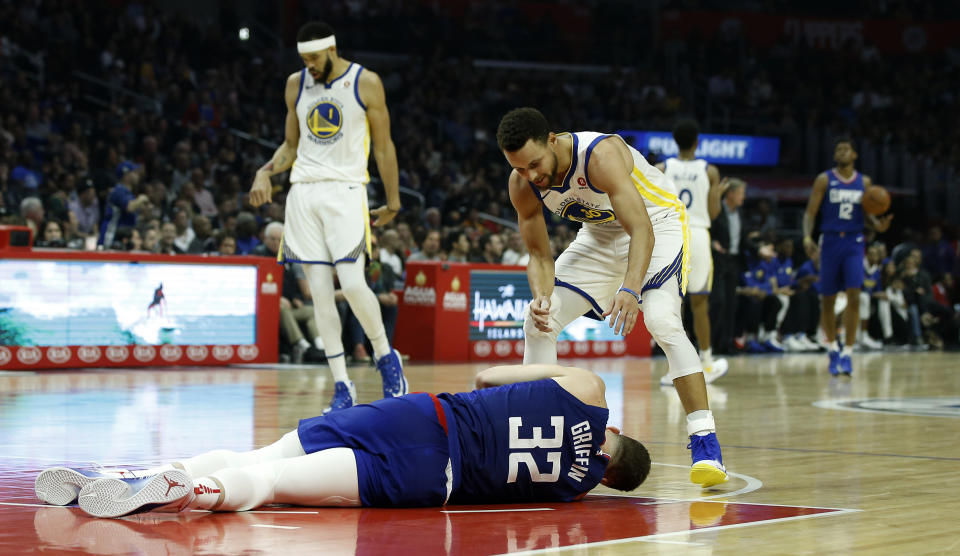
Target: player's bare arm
x=717 y=188
x=533 y=230
x=810 y=215
x=610 y=168
x=384 y=151
x=585 y=385
x=286 y=153
x=878 y=224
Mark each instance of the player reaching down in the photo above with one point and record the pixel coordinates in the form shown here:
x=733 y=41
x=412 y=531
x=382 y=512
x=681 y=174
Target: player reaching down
x=630 y=250
x=527 y=434
x=334 y=109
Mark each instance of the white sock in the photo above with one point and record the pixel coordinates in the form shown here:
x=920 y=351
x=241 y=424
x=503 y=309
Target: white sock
x=338 y=366
x=847 y=351
x=208 y=493
x=327 y=318
x=364 y=304
x=303 y=343
x=700 y=423
x=318 y=343
x=835 y=346
x=198 y=466
x=706 y=357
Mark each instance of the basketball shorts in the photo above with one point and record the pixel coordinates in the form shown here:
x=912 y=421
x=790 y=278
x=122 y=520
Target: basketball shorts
x=401 y=446
x=325 y=223
x=841 y=262
x=701 y=262
x=595 y=262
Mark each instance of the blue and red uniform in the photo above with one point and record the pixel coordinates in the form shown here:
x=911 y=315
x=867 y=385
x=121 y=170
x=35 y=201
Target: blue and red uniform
x=841 y=242
x=523 y=442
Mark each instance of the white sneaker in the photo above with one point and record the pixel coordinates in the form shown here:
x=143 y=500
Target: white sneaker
x=715 y=371
x=869 y=343
x=792 y=343
x=808 y=343
x=60 y=485
x=167 y=491
x=664 y=381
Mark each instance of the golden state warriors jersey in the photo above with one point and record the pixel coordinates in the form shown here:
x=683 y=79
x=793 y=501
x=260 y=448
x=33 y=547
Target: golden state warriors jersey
x=693 y=185
x=334 y=133
x=576 y=198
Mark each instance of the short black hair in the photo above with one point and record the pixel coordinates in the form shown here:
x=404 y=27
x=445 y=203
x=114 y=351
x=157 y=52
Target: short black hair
x=844 y=139
x=685 y=133
x=629 y=467
x=519 y=126
x=314 y=30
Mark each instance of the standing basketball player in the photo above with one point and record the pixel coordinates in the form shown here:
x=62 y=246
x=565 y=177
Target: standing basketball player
x=334 y=108
x=631 y=247
x=700 y=190
x=839 y=193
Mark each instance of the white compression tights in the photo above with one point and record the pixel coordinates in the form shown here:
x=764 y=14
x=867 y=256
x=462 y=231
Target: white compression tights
x=280 y=473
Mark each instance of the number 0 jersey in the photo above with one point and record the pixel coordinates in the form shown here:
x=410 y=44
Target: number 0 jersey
x=334 y=132
x=842 y=206
x=576 y=198
x=535 y=443
x=693 y=185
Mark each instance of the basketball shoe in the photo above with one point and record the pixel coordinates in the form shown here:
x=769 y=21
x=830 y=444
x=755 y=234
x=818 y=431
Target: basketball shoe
x=707 y=469
x=834 y=367
x=344 y=396
x=717 y=370
x=846 y=365
x=391 y=371
x=60 y=485
x=169 y=491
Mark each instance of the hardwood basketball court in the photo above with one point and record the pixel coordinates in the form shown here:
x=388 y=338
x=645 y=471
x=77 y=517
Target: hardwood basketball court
x=867 y=464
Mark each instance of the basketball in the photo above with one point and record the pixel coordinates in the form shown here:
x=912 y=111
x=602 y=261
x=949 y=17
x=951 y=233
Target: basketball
x=876 y=200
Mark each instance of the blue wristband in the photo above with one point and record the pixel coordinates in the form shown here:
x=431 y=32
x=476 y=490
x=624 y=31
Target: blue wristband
x=631 y=292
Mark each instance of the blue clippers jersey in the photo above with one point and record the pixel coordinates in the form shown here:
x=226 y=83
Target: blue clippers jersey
x=841 y=207
x=537 y=443
x=807 y=269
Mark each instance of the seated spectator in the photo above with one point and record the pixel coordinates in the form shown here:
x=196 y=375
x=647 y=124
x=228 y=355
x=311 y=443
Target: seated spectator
x=246 y=234
x=490 y=248
x=185 y=233
x=516 y=252
x=391 y=251
x=203 y=241
x=168 y=236
x=85 y=206
x=803 y=317
x=871 y=294
x=31 y=209
x=226 y=244
x=429 y=249
x=296 y=309
x=457 y=246
x=900 y=325
x=918 y=293
x=124 y=202
x=757 y=306
x=52 y=236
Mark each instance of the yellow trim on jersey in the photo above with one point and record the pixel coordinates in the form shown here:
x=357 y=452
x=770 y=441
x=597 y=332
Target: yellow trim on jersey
x=366 y=151
x=710 y=251
x=368 y=240
x=280 y=250
x=662 y=198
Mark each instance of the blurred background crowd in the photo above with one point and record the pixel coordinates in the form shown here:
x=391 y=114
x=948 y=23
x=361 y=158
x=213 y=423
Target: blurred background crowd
x=138 y=127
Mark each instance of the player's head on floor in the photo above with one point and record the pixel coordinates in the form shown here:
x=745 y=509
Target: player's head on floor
x=525 y=138
x=685 y=133
x=317 y=46
x=629 y=466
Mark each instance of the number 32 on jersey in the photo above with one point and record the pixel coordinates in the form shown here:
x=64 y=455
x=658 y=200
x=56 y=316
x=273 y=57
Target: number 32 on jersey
x=537 y=441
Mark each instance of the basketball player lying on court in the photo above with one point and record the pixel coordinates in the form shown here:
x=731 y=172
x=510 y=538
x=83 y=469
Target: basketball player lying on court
x=532 y=433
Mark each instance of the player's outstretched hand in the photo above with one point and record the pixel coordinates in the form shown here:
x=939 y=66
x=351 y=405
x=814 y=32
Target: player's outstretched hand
x=625 y=311
x=262 y=190
x=540 y=313
x=383 y=215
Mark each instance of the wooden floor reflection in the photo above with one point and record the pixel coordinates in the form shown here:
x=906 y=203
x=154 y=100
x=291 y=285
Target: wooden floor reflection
x=819 y=464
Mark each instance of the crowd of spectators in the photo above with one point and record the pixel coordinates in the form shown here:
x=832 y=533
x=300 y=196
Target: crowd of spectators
x=143 y=129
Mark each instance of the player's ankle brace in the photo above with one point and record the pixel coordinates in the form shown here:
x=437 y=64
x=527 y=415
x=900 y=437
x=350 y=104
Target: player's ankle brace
x=700 y=423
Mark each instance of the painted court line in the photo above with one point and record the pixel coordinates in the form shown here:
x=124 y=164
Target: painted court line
x=265 y=526
x=495 y=511
x=32 y=505
x=278 y=512
x=660 y=536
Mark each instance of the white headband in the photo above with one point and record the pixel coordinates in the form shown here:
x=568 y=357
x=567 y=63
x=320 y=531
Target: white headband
x=316 y=44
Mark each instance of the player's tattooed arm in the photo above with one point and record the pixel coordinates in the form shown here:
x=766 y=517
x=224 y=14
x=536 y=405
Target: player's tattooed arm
x=262 y=190
x=533 y=230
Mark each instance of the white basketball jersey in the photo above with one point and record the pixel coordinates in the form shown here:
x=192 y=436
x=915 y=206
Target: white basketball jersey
x=693 y=183
x=334 y=133
x=576 y=198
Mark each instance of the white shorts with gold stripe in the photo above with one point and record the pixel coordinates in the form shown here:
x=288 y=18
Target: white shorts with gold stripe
x=701 y=262
x=596 y=261
x=325 y=223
